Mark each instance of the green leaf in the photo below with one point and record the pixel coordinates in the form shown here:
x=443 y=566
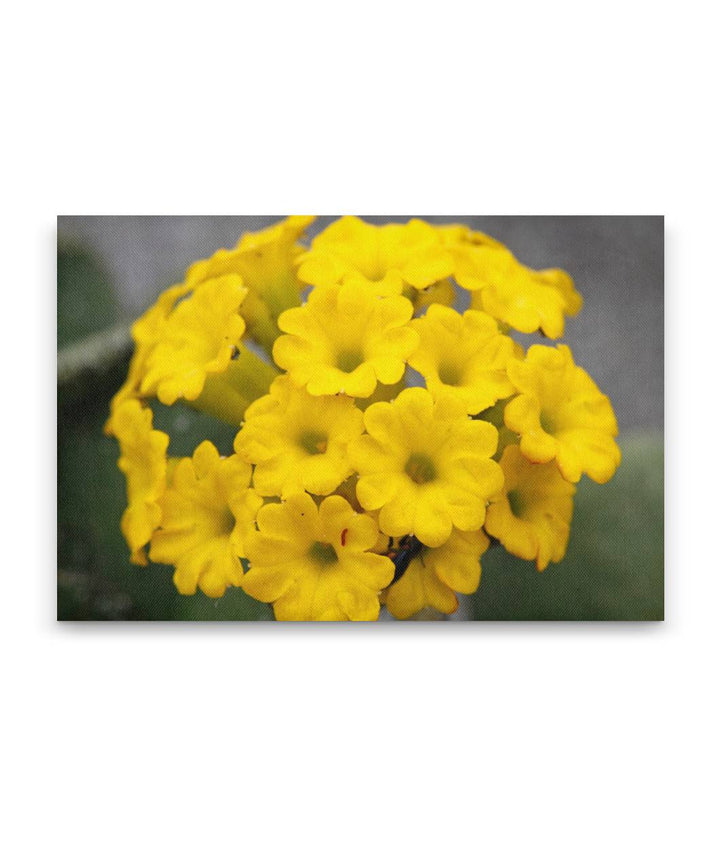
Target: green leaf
x=85 y=299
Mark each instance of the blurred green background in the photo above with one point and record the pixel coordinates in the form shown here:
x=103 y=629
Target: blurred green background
x=614 y=564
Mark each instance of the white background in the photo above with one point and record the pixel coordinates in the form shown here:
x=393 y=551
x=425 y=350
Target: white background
x=444 y=738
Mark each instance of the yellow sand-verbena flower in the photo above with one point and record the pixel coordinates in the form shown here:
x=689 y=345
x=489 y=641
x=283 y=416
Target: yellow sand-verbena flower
x=225 y=394
x=381 y=259
x=426 y=466
x=345 y=339
x=207 y=513
x=266 y=261
x=433 y=578
x=464 y=356
x=298 y=442
x=143 y=461
x=315 y=564
x=146 y=332
x=531 y=518
x=525 y=299
x=419 y=588
x=560 y=414
x=196 y=340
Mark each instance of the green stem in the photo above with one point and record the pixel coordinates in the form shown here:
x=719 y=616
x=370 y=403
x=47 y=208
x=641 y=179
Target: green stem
x=228 y=395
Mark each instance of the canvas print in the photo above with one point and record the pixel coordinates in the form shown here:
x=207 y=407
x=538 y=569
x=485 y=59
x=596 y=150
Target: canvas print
x=360 y=418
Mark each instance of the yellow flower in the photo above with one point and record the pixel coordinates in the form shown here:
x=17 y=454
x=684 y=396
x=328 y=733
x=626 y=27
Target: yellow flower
x=463 y=244
x=433 y=578
x=314 y=564
x=561 y=415
x=266 y=262
x=144 y=463
x=345 y=339
x=464 y=356
x=298 y=442
x=168 y=347
x=531 y=518
x=381 y=259
x=146 y=332
x=207 y=514
x=525 y=299
x=418 y=588
x=148 y=328
x=197 y=339
x=426 y=466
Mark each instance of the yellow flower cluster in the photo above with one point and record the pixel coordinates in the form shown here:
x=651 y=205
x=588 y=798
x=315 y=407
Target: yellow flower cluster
x=349 y=485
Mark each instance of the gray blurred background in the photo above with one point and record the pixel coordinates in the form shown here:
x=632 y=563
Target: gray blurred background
x=617 y=264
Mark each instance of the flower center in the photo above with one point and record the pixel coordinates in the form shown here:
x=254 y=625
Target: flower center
x=348 y=361
x=373 y=267
x=226 y=522
x=323 y=554
x=517 y=504
x=547 y=423
x=420 y=468
x=449 y=374
x=314 y=442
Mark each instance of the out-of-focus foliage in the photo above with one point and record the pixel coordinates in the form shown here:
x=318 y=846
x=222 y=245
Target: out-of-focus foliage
x=86 y=303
